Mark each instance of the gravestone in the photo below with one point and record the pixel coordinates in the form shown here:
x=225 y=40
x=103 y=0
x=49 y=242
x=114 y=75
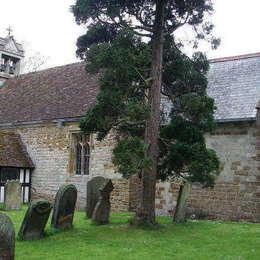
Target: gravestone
x=64 y=207
x=13 y=195
x=102 y=208
x=7 y=238
x=35 y=220
x=93 y=194
x=181 y=207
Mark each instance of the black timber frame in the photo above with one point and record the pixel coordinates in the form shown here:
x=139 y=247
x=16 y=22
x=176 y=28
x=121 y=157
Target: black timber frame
x=24 y=183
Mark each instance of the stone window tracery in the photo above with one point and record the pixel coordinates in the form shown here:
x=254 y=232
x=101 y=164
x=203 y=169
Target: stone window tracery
x=82 y=153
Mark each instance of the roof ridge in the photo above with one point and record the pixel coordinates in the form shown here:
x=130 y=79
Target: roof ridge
x=237 y=57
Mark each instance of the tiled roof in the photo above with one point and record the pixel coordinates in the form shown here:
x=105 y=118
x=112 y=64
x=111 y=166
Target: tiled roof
x=61 y=92
x=234 y=83
x=67 y=91
x=12 y=151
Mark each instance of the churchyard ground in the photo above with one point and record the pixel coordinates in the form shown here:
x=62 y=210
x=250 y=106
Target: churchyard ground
x=192 y=240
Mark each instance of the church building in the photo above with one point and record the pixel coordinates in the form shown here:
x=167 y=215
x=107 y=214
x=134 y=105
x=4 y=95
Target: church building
x=40 y=112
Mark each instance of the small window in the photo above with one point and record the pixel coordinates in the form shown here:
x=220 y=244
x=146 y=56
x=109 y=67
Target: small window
x=82 y=153
x=9 y=174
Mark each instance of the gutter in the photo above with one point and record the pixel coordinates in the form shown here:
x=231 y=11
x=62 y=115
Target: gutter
x=229 y=120
x=59 y=121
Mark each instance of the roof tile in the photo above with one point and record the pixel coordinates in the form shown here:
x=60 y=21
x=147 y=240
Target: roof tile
x=235 y=86
x=61 y=92
x=12 y=151
x=67 y=91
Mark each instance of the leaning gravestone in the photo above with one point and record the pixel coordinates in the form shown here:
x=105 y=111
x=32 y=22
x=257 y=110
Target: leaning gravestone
x=181 y=207
x=102 y=209
x=13 y=199
x=93 y=194
x=7 y=238
x=64 y=207
x=35 y=220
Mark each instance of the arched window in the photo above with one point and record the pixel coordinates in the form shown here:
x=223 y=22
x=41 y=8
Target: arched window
x=78 y=158
x=82 y=154
x=86 y=158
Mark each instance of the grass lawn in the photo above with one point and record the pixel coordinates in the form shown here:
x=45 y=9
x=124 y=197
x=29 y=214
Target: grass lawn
x=193 y=240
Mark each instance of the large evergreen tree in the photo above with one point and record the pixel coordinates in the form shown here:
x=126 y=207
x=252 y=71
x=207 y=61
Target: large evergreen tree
x=131 y=83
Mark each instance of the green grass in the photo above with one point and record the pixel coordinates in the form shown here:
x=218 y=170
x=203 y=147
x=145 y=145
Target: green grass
x=192 y=240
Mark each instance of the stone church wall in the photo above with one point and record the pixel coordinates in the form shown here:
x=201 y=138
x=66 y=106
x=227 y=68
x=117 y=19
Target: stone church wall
x=236 y=195
x=49 y=147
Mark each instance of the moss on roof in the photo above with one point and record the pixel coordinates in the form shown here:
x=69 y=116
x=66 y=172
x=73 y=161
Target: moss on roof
x=61 y=92
x=13 y=152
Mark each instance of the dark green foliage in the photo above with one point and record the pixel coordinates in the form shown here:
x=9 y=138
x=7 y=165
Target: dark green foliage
x=114 y=47
x=129 y=156
x=183 y=153
x=121 y=106
x=122 y=13
x=97 y=33
x=121 y=101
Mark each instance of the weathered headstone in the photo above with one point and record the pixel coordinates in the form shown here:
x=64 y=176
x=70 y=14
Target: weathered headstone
x=102 y=208
x=64 y=207
x=13 y=198
x=180 y=211
x=35 y=220
x=93 y=194
x=7 y=238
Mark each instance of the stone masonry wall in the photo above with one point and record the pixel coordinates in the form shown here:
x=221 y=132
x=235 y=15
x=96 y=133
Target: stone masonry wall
x=49 y=148
x=236 y=195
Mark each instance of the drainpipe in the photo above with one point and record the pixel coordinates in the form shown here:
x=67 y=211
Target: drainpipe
x=258 y=114
x=258 y=157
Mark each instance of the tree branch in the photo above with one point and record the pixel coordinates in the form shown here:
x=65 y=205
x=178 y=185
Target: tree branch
x=173 y=28
x=123 y=24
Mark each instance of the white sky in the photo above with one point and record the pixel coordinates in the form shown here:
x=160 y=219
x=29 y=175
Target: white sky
x=48 y=27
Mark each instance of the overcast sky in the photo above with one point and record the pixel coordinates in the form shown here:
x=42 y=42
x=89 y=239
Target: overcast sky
x=48 y=27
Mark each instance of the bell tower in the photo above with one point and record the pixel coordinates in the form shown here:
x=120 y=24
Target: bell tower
x=11 y=55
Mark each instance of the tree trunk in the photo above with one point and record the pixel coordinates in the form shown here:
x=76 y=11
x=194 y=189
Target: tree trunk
x=146 y=209
x=180 y=211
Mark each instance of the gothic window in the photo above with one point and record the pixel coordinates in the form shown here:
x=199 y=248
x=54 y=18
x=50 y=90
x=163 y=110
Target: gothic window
x=82 y=154
x=86 y=158
x=78 y=158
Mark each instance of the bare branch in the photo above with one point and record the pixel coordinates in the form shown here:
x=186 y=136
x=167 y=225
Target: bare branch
x=174 y=27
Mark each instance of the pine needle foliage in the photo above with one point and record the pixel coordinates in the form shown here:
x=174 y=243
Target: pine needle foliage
x=133 y=45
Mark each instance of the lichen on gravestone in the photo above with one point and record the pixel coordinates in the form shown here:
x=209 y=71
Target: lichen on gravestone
x=181 y=207
x=13 y=198
x=93 y=194
x=102 y=209
x=35 y=220
x=64 y=207
x=7 y=238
